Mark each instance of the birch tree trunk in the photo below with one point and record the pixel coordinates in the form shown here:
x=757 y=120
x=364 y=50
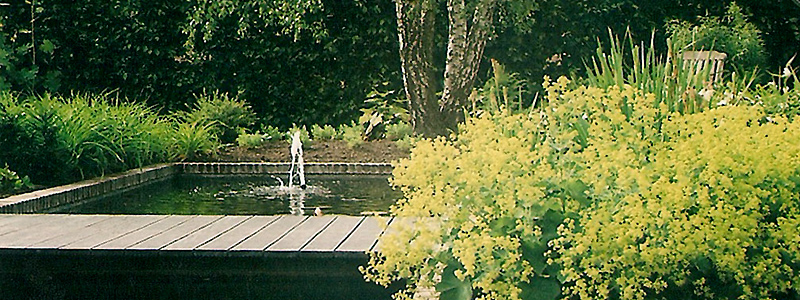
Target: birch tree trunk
x=469 y=28
x=468 y=32
x=415 y=30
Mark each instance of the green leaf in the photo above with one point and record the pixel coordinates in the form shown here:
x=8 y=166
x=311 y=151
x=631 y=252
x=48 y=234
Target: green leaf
x=533 y=249
x=576 y=189
x=502 y=225
x=452 y=288
x=541 y=288
x=533 y=253
x=582 y=127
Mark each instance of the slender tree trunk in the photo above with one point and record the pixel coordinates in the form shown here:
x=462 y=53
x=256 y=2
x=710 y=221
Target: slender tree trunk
x=469 y=28
x=415 y=27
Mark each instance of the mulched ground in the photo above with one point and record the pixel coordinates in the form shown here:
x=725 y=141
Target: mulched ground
x=381 y=151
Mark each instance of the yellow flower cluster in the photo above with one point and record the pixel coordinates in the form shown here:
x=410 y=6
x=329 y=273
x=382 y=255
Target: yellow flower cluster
x=713 y=207
x=650 y=203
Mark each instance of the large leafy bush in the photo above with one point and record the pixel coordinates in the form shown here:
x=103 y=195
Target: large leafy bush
x=226 y=116
x=603 y=193
x=732 y=34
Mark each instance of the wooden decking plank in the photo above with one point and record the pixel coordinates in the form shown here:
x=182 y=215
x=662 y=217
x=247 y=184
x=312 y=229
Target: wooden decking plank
x=174 y=234
x=268 y=235
x=8 y=219
x=70 y=234
x=364 y=236
x=143 y=233
x=333 y=235
x=113 y=228
x=19 y=222
x=236 y=235
x=205 y=234
x=54 y=226
x=302 y=234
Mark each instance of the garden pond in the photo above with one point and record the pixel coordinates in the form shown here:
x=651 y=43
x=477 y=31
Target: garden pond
x=192 y=194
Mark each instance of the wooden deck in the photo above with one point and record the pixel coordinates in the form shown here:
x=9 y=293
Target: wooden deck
x=193 y=235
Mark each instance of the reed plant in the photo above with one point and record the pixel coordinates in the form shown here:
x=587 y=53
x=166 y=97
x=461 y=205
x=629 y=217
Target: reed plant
x=676 y=84
x=504 y=92
x=103 y=134
x=61 y=139
x=192 y=141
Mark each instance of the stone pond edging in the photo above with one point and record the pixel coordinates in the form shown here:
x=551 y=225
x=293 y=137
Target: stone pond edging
x=40 y=200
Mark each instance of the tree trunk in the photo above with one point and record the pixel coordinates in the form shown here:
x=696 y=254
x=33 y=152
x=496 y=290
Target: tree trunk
x=469 y=29
x=468 y=33
x=415 y=29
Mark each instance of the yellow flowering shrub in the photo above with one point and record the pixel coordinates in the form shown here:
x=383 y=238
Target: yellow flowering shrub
x=479 y=196
x=602 y=193
x=711 y=213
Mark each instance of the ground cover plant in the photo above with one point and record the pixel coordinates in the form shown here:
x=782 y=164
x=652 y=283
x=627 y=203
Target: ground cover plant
x=607 y=191
x=10 y=182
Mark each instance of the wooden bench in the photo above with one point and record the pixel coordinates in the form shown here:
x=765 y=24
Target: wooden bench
x=698 y=61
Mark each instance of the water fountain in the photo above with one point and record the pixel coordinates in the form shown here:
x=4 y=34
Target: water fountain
x=297 y=161
x=296 y=194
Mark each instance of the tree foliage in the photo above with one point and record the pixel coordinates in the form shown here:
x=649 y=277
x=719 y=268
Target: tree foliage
x=314 y=60
x=297 y=62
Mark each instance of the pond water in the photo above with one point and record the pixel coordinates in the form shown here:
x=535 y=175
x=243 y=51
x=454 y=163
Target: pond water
x=247 y=195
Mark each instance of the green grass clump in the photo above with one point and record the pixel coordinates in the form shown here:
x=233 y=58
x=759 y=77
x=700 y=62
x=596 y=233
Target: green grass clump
x=192 y=141
x=228 y=116
x=252 y=140
x=325 y=132
x=398 y=131
x=54 y=140
x=352 y=135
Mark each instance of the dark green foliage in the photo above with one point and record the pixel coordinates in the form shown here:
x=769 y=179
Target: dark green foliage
x=25 y=56
x=29 y=138
x=300 y=77
x=132 y=47
x=732 y=34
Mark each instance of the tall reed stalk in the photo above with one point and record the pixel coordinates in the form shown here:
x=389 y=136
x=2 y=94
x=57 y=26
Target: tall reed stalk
x=676 y=83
